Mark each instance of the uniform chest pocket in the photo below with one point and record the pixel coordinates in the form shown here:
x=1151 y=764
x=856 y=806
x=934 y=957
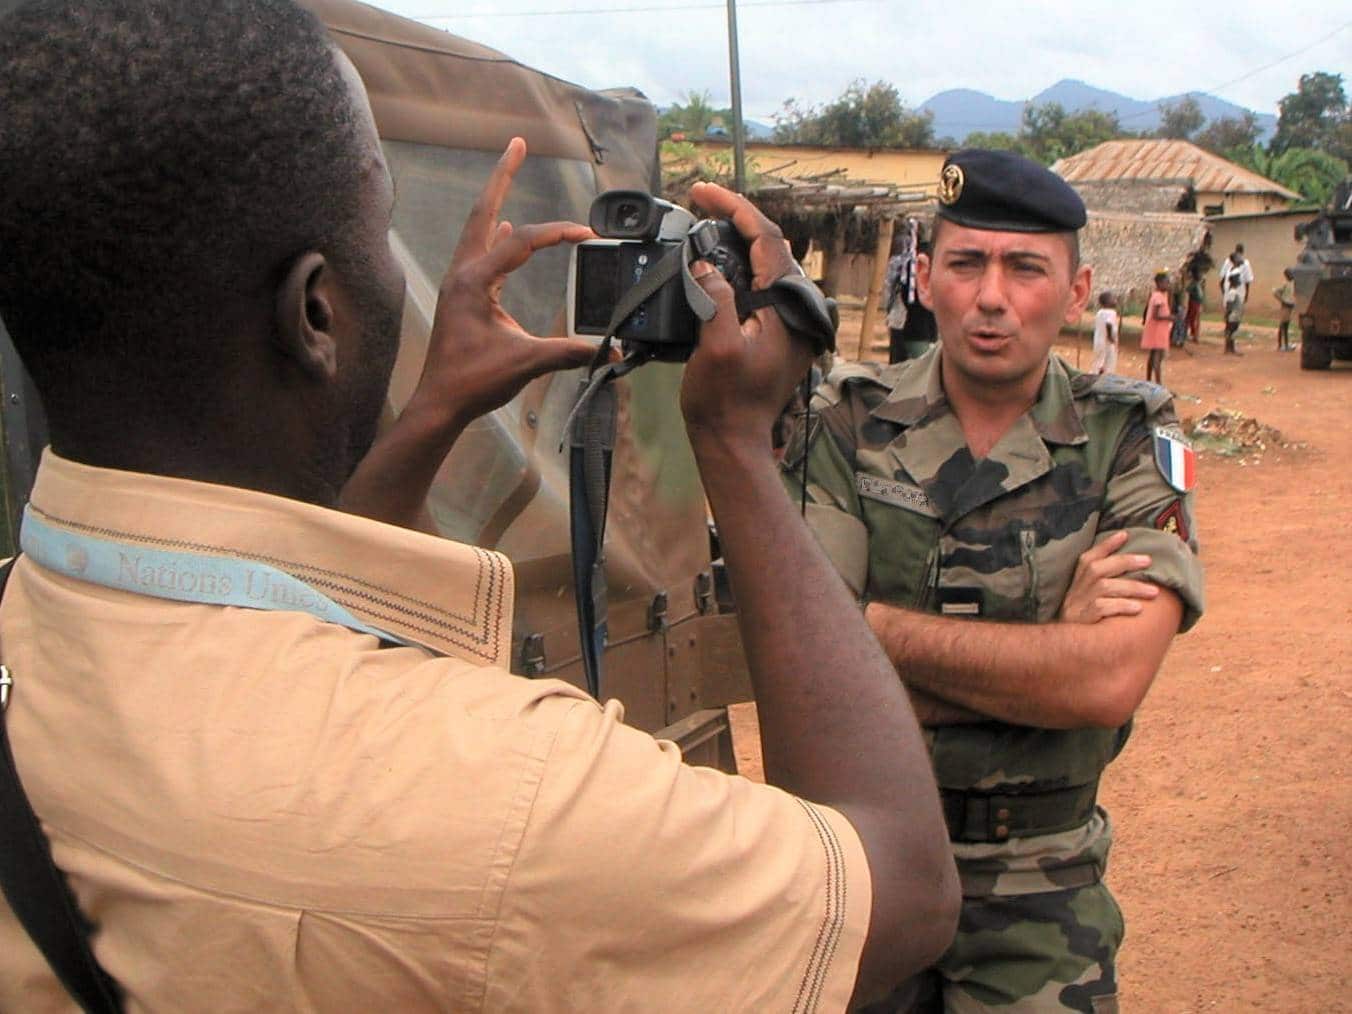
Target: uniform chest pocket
x=903 y=540
x=1048 y=557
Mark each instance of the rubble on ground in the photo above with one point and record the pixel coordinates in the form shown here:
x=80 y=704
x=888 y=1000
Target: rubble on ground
x=1233 y=434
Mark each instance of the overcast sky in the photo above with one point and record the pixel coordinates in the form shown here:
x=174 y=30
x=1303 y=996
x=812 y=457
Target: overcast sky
x=811 y=49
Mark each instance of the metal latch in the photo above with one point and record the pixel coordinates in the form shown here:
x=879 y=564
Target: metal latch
x=533 y=655
x=657 y=613
x=704 y=593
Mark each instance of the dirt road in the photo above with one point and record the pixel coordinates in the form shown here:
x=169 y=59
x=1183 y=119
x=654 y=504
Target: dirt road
x=1233 y=800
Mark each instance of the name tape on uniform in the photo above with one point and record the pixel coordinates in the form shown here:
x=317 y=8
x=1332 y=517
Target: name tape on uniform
x=895 y=492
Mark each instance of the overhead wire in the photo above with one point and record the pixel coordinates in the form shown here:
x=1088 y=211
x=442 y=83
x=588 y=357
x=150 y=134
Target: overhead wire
x=1252 y=73
x=652 y=9
x=1152 y=110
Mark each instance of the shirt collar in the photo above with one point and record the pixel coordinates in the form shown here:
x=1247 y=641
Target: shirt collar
x=451 y=598
x=919 y=395
x=918 y=392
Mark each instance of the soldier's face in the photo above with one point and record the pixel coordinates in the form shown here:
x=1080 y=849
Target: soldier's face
x=1000 y=299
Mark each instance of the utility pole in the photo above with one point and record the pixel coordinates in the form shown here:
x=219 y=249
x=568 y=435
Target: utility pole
x=738 y=131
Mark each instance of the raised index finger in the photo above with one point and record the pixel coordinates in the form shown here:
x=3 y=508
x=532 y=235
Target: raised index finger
x=483 y=216
x=769 y=259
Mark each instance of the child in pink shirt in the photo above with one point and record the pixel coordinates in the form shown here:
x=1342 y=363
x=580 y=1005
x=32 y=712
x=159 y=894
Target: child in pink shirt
x=1157 y=321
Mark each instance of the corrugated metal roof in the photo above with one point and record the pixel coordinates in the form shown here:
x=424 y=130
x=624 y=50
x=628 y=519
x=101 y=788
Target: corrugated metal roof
x=1149 y=159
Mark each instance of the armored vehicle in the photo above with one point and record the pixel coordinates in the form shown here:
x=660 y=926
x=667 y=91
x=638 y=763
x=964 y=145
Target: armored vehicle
x=445 y=109
x=1323 y=279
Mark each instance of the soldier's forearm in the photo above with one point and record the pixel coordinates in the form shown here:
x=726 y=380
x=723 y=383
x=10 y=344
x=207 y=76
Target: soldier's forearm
x=1057 y=675
x=931 y=711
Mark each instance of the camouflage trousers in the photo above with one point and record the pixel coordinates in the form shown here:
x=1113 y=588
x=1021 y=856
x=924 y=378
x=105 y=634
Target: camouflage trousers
x=1038 y=933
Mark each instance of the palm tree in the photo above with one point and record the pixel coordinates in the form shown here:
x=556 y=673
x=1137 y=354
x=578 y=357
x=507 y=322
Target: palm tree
x=694 y=118
x=1312 y=174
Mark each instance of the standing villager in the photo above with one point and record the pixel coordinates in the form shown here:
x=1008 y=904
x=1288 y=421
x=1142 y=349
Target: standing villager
x=1178 y=302
x=988 y=503
x=1156 y=324
x=918 y=331
x=899 y=288
x=1236 y=277
x=1107 y=334
x=1285 y=294
x=1195 y=267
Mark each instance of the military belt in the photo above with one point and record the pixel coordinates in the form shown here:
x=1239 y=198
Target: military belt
x=997 y=817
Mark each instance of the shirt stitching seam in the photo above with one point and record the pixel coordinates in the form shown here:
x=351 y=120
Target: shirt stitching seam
x=264 y=558
x=477 y=629
x=833 y=918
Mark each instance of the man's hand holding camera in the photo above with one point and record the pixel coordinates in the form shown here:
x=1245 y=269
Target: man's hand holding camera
x=740 y=375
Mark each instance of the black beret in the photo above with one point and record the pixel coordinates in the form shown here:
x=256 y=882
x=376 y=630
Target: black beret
x=999 y=190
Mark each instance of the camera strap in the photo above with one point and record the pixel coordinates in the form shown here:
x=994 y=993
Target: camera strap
x=591 y=426
x=590 y=432
x=37 y=890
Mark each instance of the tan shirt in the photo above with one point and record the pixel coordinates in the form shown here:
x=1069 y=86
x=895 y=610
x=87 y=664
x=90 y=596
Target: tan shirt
x=266 y=811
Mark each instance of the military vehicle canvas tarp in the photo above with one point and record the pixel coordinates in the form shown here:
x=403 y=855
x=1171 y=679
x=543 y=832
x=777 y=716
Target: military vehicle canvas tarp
x=445 y=108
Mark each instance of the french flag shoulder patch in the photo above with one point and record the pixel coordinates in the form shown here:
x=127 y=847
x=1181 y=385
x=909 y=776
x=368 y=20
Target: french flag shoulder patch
x=1175 y=458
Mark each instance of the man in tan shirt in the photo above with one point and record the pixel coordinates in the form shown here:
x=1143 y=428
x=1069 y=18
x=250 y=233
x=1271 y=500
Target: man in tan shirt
x=274 y=744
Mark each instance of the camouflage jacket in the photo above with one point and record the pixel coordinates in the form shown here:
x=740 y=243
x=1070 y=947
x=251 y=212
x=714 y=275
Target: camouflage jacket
x=910 y=518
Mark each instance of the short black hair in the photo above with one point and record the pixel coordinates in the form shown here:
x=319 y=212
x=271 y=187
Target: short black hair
x=159 y=158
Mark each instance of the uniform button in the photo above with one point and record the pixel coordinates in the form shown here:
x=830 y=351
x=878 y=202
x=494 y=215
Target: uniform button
x=1002 y=814
x=1002 y=831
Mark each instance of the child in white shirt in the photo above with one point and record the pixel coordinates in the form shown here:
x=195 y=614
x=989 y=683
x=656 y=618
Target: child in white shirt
x=1107 y=332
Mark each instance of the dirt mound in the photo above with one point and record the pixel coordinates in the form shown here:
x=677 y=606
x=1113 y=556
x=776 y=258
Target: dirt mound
x=1230 y=432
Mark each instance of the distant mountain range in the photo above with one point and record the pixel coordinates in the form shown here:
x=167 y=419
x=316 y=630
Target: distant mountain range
x=959 y=111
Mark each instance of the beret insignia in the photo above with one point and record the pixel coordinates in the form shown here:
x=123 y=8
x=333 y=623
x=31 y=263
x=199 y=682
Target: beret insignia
x=950 y=184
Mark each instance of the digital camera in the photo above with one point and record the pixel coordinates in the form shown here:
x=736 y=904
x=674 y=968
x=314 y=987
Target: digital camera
x=644 y=237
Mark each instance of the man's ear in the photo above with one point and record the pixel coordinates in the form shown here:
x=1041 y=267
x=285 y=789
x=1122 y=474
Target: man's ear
x=1081 y=284
x=304 y=316
x=923 y=263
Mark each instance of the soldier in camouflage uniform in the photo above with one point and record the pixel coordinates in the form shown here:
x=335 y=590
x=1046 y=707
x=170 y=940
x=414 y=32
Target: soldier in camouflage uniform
x=988 y=481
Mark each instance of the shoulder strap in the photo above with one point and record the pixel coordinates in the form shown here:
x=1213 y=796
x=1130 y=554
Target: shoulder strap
x=37 y=891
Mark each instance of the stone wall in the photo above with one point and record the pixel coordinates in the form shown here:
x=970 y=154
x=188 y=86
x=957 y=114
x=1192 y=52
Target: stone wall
x=1125 y=250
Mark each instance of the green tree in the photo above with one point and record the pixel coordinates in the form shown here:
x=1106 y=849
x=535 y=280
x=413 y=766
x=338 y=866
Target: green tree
x=1312 y=174
x=1180 y=120
x=998 y=140
x=1050 y=133
x=693 y=118
x=865 y=116
x=1315 y=115
x=1228 y=133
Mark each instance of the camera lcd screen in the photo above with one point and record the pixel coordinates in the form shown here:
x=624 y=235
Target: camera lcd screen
x=598 y=287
